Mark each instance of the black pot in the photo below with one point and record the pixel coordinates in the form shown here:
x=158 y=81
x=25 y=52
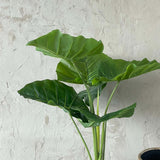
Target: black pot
x=150 y=154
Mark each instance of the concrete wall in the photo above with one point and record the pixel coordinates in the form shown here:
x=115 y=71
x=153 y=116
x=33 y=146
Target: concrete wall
x=129 y=29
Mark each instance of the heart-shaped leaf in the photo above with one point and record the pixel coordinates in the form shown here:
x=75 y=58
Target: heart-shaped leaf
x=83 y=61
x=70 y=49
x=55 y=93
x=57 y=44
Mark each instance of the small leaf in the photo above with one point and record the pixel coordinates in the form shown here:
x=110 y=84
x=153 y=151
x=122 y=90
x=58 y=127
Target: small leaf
x=123 y=113
x=67 y=73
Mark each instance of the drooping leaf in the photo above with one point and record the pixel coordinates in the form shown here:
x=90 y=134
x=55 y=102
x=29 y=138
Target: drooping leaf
x=102 y=68
x=108 y=69
x=123 y=113
x=55 y=93
x=93 y=91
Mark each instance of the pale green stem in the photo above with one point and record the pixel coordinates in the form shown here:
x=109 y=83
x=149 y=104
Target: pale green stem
x=96 y=154
x=103 y=136
x=103 y=139
x=81 y=137
x=93 y=128
x=110 y=98
x=98 y=127
x=90 y=99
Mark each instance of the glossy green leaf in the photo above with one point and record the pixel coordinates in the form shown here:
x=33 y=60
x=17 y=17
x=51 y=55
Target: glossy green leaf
x=83 y=61
x=66 y=72
x=57 y=44
x=108 y=69
x=102 y=68
x=70 y=49
x=93 y=91
x=55 y=93
x=123 y=113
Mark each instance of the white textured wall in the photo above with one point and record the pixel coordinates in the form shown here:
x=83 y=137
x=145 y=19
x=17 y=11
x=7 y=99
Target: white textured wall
x=129 y=29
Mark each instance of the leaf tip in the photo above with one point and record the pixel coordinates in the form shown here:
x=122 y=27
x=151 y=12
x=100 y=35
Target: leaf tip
x=19 y=92
x=30 y=43
x=135 y=104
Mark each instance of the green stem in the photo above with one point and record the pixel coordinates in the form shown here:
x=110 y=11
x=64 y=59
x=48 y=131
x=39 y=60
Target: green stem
x=96 y=154
x=98 y=127
x=94 y=131
x=110 y=98
x=103 y=136
x=90 y=99
x=103 y=139
x=81 y=137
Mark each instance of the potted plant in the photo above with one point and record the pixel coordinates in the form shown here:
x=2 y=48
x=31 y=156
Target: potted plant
x=82 y=61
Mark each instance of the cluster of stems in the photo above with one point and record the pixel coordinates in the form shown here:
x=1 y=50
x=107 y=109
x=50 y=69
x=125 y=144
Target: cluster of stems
x=98 y=139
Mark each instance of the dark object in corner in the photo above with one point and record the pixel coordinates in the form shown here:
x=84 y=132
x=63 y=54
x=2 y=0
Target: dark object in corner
x=150 y=154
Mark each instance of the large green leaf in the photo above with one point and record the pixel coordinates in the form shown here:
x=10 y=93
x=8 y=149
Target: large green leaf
x=71 y=50
x=108 y=69
x=102 y=68
x=55 y=93
x=83 y=61
x=123 y=113
x=67 y=47
x=93 y=92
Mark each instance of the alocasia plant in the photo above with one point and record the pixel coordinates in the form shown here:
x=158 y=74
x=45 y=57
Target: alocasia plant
x=82 y=61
